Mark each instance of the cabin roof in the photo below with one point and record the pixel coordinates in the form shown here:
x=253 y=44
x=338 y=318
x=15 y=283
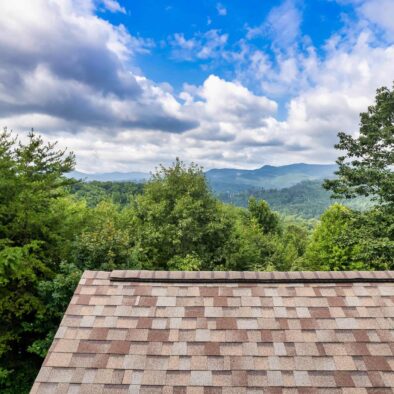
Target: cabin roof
x=225 y=332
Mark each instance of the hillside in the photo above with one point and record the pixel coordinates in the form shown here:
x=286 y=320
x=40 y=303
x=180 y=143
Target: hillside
x=267 y=177
x=307 y=199
x=110 y=176
x=293 y=189
x=232 y=179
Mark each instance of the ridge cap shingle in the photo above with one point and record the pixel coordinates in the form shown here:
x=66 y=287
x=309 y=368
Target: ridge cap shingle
x=250 y=276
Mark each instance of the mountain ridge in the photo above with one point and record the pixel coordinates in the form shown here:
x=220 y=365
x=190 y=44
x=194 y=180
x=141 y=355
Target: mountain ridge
x=233 y=179
x=115 y=176
x=268 y=176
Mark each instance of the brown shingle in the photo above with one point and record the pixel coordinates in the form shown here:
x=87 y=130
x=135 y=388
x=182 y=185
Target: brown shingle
x=377 y=363
x=343 y=379
x=212 y=349
x=226 y=323
x=194 y=311
x=282 y=333
x=158 y=335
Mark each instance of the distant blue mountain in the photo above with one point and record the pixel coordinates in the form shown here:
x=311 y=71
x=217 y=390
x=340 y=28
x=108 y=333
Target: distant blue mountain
x=267 y=177
x=110 y=176
x=232 y=179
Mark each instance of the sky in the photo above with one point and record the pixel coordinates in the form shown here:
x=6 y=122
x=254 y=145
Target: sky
x=128 y=85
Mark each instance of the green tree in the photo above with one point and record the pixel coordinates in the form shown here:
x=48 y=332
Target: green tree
x=291 y=247
x=249 y=249
x=267 y=219
x=178 y=217
x=32 y=179
x=330 y=248
x=120 y=193
x=373 y=234
x=367 y=167
x=367 y=170
x=31 y=246
x=107 y=240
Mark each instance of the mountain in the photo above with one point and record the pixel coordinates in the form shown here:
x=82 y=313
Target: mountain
x=232 y=179
x=110 y=176
x=267 y=177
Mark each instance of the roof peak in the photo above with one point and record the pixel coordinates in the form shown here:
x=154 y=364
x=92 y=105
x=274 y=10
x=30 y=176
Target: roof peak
x=250 y=276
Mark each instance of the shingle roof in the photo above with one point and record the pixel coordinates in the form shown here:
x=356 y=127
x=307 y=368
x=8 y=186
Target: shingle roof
x=225 y=332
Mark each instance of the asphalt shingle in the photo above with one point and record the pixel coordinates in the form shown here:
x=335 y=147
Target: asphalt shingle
x=225 y=332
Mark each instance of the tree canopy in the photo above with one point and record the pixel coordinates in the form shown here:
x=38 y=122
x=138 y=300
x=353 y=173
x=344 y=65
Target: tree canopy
x=178 y=217
x=31 y=239
x=367 y=167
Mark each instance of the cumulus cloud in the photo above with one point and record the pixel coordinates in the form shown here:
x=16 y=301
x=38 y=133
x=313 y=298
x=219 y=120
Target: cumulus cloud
x=72 y=78
x=226 y=110
x=329 y=93
x=74 y=67
x=232 y=103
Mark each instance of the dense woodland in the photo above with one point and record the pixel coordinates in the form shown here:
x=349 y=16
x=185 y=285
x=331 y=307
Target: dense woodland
x=53 y=228
x=307 y=199
x=303 y=201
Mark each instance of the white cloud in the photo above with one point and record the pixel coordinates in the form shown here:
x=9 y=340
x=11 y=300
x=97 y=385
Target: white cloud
x=232 y=103
x=75 y=68
x=282 y=25
x=381 y=13
x=221 y=9
x=71 y=79
x=202 y=46
x=376 y=13
x=279 y=69
x=113 y=6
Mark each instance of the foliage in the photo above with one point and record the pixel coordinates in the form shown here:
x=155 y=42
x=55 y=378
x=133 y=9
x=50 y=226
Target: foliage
x=32 y=180
x=373 y=232
x=261 y=212
x=329 y=248
x=120 y=193
x=251 y=247
x=56 y=294
x=305 y=200
x=190 y=262
x=31 y=245
x=366 y=169
x=106 y=241
x=350 y=240
x=177 y=216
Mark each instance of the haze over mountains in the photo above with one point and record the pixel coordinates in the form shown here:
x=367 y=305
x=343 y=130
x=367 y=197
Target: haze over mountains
x=234 y=180
x=110 y=176
x=268 y=177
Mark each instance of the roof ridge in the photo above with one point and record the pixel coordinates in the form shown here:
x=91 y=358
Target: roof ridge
x=251 y=276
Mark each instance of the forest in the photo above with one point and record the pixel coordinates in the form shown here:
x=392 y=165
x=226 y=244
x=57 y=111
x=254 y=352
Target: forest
x=304 y=200
x=52 y=228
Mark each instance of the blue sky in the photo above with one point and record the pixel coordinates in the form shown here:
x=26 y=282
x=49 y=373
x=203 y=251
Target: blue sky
x=127 y=85
x=163 y=20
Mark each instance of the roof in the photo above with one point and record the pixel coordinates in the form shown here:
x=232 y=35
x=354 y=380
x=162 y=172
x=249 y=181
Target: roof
x=225 y=332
